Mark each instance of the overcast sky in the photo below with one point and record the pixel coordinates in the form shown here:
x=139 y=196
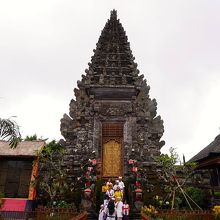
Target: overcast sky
x=46 y=45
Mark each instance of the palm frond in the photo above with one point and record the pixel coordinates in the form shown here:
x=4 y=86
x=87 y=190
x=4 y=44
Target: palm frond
x=9 y=131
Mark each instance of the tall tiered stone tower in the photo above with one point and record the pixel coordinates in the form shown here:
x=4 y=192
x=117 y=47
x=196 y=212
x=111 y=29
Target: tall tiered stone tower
x=112 y=117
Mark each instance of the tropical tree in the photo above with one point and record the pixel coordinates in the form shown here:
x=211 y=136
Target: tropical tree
x=9 y=131
x=175 y=183
x=52 y=179
x=31 y=138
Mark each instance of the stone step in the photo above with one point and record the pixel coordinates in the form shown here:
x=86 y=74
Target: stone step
x=92 y=215
x=135 y=215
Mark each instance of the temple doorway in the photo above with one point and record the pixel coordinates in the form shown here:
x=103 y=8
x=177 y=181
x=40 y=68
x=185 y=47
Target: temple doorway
x=112 y=150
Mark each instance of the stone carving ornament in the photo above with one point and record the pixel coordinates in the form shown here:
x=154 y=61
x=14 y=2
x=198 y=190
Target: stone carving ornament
x=112 y=66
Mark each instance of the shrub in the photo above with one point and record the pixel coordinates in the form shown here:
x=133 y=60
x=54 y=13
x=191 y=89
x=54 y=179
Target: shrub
x=196 y=194
x=216 y=211
x=149 y=211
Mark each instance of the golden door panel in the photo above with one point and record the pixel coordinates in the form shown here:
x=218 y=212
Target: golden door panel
x=112 y=158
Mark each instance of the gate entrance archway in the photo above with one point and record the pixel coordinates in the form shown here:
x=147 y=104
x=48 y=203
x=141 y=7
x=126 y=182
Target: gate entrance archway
x=112 y=150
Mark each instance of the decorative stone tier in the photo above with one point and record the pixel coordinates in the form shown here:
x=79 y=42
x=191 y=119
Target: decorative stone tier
x=112 y=91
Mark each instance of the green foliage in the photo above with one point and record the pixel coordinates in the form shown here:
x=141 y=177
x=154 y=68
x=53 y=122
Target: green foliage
x=52 y=181
x=217 y=194
x=31 y=138
x=148 y=197
x=1 y=195
x=64 y=204
x=197 y=195
x=52 y=148
x=175 y=178
x=9 y=131
x=169 y=161
x=77 y=197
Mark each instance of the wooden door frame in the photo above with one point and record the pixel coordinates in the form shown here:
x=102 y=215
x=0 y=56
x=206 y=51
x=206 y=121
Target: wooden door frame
x=122 y=146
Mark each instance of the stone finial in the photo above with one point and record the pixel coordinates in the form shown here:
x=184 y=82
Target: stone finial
x=113 y=15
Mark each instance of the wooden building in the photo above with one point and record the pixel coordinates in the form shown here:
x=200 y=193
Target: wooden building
x=17 y=169
x=209 y=159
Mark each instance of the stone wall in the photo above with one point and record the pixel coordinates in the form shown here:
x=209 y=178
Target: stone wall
x=112 y=91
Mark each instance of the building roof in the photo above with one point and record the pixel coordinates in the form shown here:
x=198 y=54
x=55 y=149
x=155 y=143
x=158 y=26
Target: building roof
x=212 y=149
x=23 y=149
x=112 y=63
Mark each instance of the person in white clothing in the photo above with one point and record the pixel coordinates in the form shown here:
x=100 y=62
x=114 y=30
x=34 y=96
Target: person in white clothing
x=108 y=182
x=116 y=185
x=121 y=183
x=110 y=192
x=111 y=216
x=106 y=200
x=118 y=207
x=101 y=213
x=125 y=211
x=111 y=210
x=105 y=211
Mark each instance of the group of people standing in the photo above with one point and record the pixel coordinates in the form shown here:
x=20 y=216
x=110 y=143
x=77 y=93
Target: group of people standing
x=113 y=207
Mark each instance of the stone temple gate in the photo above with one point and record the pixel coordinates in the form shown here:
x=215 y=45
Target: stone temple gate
x=112 y=116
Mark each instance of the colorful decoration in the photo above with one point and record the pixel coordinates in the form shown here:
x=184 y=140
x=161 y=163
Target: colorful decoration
x=94 y=162
x=34 y=174
x=131 y=161
x=138 y=194
x=14 y=204
x=134 y=169
x=138 y=184
x=138 y=179
x=90 y=168
x=88 y=177
x=88 y=183
x=87 y=193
